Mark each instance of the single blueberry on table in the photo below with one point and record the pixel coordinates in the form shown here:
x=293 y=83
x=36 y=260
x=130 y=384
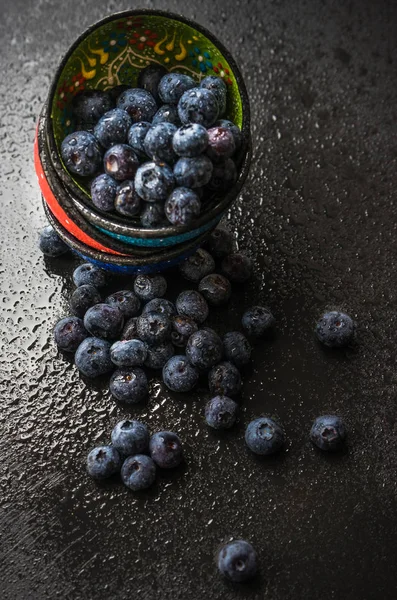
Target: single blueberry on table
x=237 y=561
x=165 y=448
x=224 y=380
x=172 y=87
x=204 y=349
x=139 y=104
x=179 y=375
x=197 y=266
x=83 y=298
x=237 y=348
x=182 y=206
x=220 y=243
x=113 y=128
x=154 y=182
x=264 y=436
x=128 y=353
x=236 y=131
x=129 y=385
x=81 y=153
x=121 y=162
x=154 y=328
x=90 y=105
x=130 y=329
x=221 y=412
x=69 y=333
x=88 y=274
x=158 y=355
x=192 y=304
x=193 y=172
x=158 y=142
x=257 y=321
x=152 y=214
x=50 y=243
x=190 y=140
x=224 y=176
x=103 y=462
x=221 y=144
x=328 y=433
x=335 y=329
x=218 y=87
x=237 y=267
x=168 y=113
x=149 y=79
x=182 y=329
x=92 y=357
x=198 y=105
x=148 y=287
x=104 y=321
x=126 y=301
x=130 y=437
x=138 y=472
x=136 y=138
x=160 y=305
x=103 y=192
x=215 y=288
x=127 y=202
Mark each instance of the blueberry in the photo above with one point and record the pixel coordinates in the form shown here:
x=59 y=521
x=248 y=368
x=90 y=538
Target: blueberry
x=193 y=172
x=81 y=153
x=88 y=274
x=192 y=304
x=149 y=79
x=92 y=357
x=136 y=138
x=216 y=289
x=158 y=355
x=138 y=472
x=238 y=561
x=224 y=380
x=158 y=142
x=204 y=349
x=328 y=433
x=238 y=136
x=220 y=144
x=113 y=128
x=173 y=86
x=115 y=92
x=130 y=437
x=128 y=353
x=83 y=298
x=69 y=333
x=121 y=162
x=130 y=329
x=198 y=105
x=182 y=206
x=335 y=329
x=224 y=176
x=237 y=348
x=126 y=301
x=154 y=182
x=148 y=287
x=129 y=385
x=103 y=462
x=237 y=267
x=50 y=243
x=257 y=321
x=264 y=436
x=160 y=305
x=190 y=140
x=152 y=214
x=197 y=266
x=179 y=375
x=154 y=328
x=104 y=321
x=103 y=192
x=217 y=87
x=221 y=412
x=90 y=105
x=166 y=449
x=140 y=104
x=182 y=329
x=220 y=243
x=168 y=113
x=127 y=201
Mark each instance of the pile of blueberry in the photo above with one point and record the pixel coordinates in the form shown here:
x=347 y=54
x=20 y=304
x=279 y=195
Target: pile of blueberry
x=163 y=146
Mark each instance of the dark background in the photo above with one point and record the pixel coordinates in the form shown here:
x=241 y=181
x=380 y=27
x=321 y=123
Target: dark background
x=318 y=216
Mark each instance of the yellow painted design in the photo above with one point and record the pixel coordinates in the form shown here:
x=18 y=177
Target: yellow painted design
x=196 y=38
x=104 y=56
x=167 y=60
x=87 y=74
x=157 y=47
x=171 y=44
x=91 y=61
x=190 y=41
x=183 y=53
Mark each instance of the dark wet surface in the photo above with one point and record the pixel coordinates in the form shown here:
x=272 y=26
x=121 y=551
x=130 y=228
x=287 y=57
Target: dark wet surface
x=318 y=216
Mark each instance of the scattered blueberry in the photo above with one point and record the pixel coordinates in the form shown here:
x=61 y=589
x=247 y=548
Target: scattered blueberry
x=168 y=113
x=238 y=136
x=154 y=328
x=138 y=472
x=166 y=449
x=103 y=192
x=220 y=243
x=193 y=172
x=215 y=288
x=182 y=329
x=50 y=243
x=149 y=79
x=121 y=162
x=190 y=140
x=160 y=305
x=130 y=329
x=192 y=304
x=129 y=385
x=126 y=301
x=264 y=436
x=257 y=321
x=158 y=142
x=130 y=437
x=335 y=329
x=140 y=104
x=127 y=202
x=220 y=144
x=237 y=348
x=182 y=206
x=238 y=561
x=204 y=349
x=128 y=353
x=152 y=214
x=90 y=105
x=179 y=375
x=158 y=355
x=197 y=266
x=103 y=462
x=69 y=333
x=92 y=357
x=237 y=267
x=224 y=176
x=224 y=380
x=81 y=153
x=172 y=87
x=328 y=433
x=154 y=182
x=104 y=321
x=221 y=412
x=148 y=287
x=88 y=274
x=198 y=105
x=136 y=138
x=83 y=298
x=113 y=128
